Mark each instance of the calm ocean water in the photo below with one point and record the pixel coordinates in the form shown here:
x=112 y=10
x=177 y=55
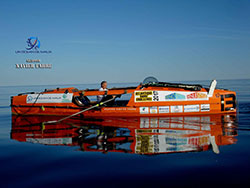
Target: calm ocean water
x=121 y=153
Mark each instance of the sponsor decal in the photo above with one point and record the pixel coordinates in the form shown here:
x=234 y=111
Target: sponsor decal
x=175 y=96
x=153 y=110
x=163 y=109
x=155 y=96
x=205 y=107
x=201 y=95
x=144 y=110
x=191 y=108
x=176 y=109
x=192 y=96
x=143 y=96
x=182 y=96
x=120 y=109
x=160 y=96
x=197 y=95
x=49 y=98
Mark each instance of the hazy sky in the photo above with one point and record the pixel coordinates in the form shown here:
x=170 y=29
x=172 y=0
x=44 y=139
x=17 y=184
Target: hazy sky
x=125 y=40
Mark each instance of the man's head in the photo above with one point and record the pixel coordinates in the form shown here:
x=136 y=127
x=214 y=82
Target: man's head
x=104 y=84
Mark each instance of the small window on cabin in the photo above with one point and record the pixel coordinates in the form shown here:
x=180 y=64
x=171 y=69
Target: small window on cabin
x=92 y=98
x=123 y=100
x=119 y=101
x=125 y=97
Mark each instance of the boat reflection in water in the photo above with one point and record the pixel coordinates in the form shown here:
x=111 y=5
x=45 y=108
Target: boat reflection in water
x=146 y=136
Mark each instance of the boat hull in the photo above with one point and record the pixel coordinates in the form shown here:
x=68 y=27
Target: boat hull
x=152 y=102
x=145 y=111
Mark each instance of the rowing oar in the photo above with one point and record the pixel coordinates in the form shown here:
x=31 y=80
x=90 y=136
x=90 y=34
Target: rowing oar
x=97 y=105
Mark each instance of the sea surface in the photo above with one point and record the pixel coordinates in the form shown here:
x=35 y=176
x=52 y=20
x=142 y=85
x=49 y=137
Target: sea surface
x=202 y=151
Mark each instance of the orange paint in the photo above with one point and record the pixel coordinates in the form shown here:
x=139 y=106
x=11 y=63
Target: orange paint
x=150 y=101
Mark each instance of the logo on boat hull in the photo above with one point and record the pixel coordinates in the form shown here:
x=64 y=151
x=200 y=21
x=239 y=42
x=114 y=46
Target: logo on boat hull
x=163 y=109
x=143 y=96
x=175 y=96
x=162 y=96
x=144 y=110
x=192 y=108
x=176 y=109
x=196 y=96
x=205 y=107
x=153 y=110
x=49 y=98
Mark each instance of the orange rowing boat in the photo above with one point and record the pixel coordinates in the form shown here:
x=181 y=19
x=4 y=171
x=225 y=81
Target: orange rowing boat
x=151 y=98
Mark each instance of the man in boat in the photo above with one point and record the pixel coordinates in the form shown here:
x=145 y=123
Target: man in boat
x=104 y=85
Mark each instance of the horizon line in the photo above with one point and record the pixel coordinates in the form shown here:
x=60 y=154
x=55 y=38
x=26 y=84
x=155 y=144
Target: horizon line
x=116 y=82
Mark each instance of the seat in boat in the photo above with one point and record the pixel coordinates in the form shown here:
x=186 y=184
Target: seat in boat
x=81 y=101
